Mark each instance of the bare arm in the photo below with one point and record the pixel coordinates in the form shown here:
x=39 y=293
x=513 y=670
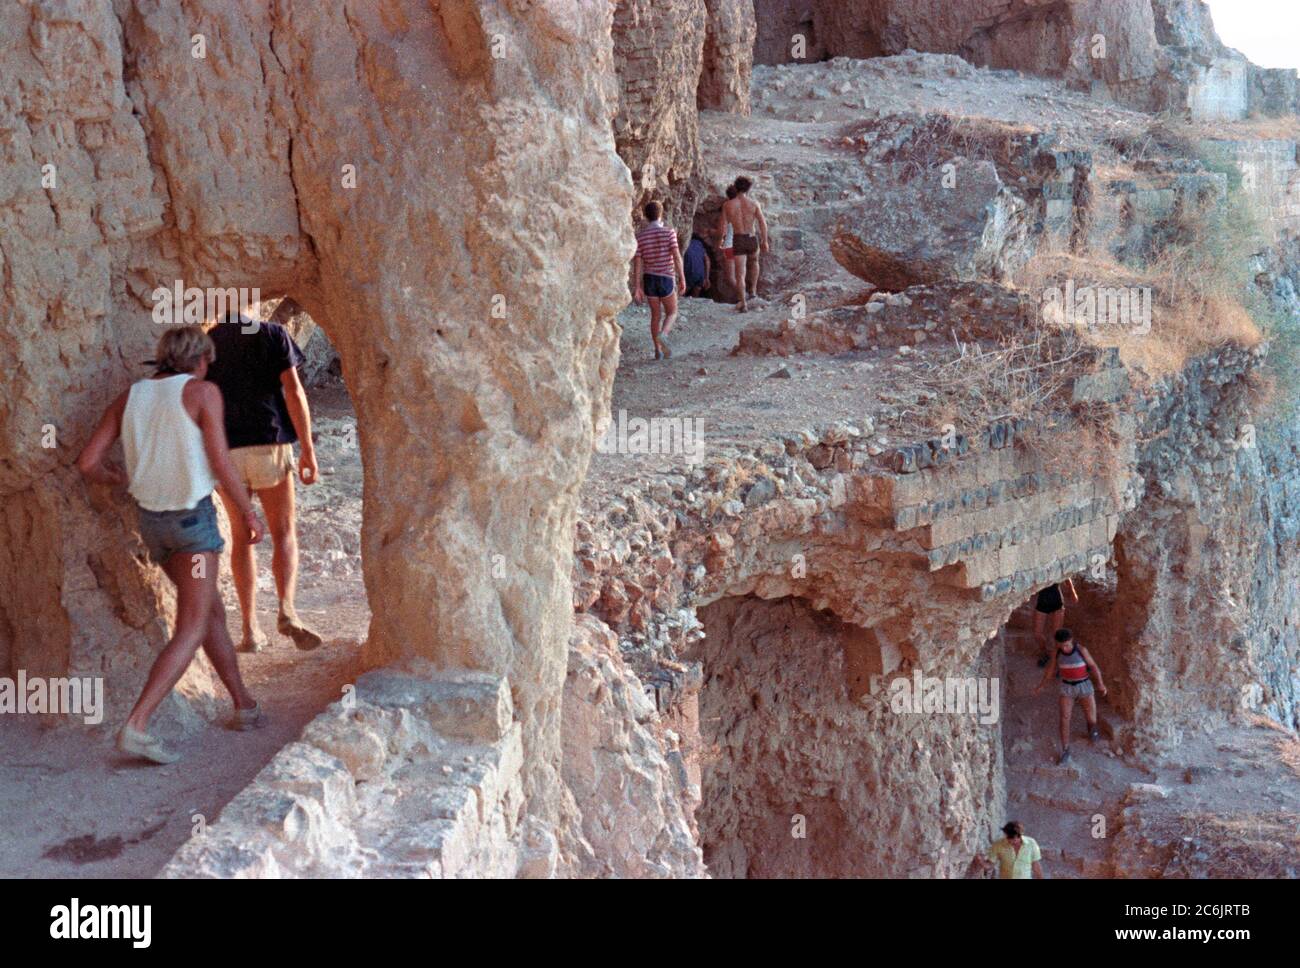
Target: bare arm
x=1094 y=669
x=211 y=419
x=681 y=270
x=295 y=399
x=638 y=294
x=1074 y=595
x=1048 y=673
x=762 y=225
x=1038 y=870
x=93 y=461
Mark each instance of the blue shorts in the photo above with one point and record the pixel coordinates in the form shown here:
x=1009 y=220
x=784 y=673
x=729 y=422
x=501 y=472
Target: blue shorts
x=657 y=286
x=191 y=531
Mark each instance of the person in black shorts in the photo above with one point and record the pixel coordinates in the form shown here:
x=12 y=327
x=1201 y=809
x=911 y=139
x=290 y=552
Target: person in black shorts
x=1049 y=615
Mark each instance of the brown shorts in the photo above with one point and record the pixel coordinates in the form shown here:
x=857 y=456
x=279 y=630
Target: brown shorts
x=746 y=244
x=262 y=466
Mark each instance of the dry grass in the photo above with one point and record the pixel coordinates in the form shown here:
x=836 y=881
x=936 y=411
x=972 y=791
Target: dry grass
x=1255 y=845
x=1288 y=751
x=1252 y=129
x=1032 y=377
x=1195 y=306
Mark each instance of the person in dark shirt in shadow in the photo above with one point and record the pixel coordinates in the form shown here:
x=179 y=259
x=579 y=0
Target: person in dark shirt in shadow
x=266 y=412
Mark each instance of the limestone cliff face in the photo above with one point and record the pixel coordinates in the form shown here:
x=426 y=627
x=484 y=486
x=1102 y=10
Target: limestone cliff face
x=805 y=777
x=659 y=54
x=399 y=168
x=1199 y=625
x=728 y=56
x=1157 y=55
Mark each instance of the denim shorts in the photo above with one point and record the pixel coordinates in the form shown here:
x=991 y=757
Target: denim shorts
x=191 y=531
x=660 y=287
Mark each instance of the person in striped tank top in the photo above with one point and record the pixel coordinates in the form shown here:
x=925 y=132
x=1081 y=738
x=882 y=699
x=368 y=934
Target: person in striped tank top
x=655 y=267
x=1074 y=667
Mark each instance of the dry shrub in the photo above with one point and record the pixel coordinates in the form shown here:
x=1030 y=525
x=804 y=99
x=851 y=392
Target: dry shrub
x=1197 y=302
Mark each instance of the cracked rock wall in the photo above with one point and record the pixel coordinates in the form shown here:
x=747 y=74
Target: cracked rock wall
x=479 y=135
x=1155 y=55
x=809 y=772
x=659 y=54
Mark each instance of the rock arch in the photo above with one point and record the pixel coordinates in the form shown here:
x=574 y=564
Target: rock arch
x=479 y=135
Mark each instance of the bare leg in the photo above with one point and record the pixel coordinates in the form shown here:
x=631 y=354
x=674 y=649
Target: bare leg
x=670 y=311
x=221 y=652
x=1040 y=631
x=740 y=280
x=1090 y=712
x=758 y=265
x=1067 y=709
x=195 y=578
x=729 y=267
x=278 y=503
x=655 y=312
x=243 y=567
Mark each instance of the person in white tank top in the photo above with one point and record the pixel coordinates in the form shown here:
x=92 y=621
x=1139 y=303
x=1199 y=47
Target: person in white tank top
x=174 y=442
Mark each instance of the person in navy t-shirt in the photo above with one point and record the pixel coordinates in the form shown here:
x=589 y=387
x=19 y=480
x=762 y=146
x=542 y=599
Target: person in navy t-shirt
x=266 y=412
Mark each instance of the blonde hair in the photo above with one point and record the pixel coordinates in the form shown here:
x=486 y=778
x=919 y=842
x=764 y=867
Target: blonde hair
x=182 y=348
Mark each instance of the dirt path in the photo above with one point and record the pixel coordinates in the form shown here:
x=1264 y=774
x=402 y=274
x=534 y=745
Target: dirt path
x=1216 y=801
x=71 y=806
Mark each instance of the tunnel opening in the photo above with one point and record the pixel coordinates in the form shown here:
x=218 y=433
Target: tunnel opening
x=1070 y=806
x=327 y=510
x=141 y=814
x=808 y=765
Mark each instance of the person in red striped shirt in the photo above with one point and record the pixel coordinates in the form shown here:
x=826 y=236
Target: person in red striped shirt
x=656 y=267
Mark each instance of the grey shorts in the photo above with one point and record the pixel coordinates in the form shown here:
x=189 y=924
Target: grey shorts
x=1076 y=690
x=191 y=531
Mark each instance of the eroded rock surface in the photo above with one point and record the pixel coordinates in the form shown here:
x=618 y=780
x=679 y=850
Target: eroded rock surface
x=304 y=149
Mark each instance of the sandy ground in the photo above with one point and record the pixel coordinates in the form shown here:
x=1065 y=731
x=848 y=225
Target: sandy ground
x=87 y=811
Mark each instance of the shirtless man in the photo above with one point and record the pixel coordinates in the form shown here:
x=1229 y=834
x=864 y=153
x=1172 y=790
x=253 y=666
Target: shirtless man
x=725 y=240
x=744 y=214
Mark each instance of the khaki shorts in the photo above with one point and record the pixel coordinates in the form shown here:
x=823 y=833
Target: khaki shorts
x=263 y=466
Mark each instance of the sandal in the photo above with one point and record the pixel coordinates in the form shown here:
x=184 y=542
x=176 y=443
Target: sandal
x=304 y=638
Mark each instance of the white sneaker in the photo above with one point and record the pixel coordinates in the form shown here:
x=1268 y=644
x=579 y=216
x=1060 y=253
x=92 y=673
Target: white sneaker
x=144 y=746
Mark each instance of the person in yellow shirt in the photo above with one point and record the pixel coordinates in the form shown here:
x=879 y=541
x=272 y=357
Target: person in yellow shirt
x=1015 y=856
